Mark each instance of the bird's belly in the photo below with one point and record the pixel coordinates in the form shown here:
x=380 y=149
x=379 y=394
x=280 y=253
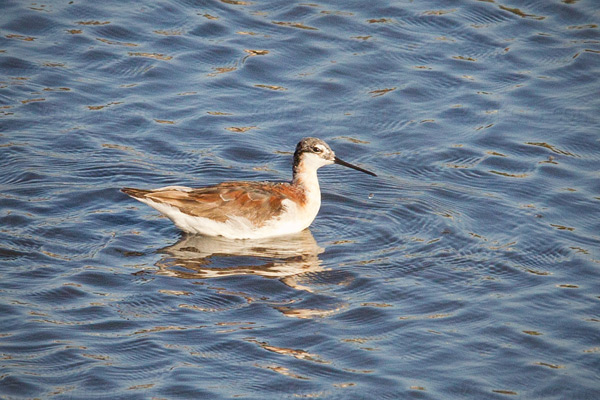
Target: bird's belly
x=293 y=219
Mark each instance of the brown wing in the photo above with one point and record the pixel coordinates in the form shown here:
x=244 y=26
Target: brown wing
x=257 y=201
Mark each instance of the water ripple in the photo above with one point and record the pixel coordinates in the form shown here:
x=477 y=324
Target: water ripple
x=476 y=244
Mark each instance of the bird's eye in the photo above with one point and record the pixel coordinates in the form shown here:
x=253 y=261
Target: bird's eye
x=317 y=149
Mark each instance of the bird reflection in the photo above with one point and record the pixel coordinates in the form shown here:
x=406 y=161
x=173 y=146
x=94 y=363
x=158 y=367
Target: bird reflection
x=284 y=258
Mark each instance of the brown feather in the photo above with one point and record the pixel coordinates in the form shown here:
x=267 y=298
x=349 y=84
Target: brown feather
x=257 y=201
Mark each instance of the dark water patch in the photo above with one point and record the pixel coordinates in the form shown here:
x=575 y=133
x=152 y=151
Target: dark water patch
x=60 y=294
x=15 y=65
x=34 y=25
x=21 y=386
x=212 y=29
x=118 y=32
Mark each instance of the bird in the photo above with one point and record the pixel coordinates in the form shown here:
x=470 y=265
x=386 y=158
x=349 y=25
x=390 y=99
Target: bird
x=249 y=209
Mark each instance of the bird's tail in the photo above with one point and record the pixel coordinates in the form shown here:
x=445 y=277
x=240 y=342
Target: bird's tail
x=135 y=193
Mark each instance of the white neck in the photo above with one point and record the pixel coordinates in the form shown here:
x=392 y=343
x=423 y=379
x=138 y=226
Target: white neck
x=305 y=176
x=307 y=179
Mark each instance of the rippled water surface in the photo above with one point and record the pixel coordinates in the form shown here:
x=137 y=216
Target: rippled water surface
x=469 y=268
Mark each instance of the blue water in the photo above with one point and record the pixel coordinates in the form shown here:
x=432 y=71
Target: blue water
x=468 y=269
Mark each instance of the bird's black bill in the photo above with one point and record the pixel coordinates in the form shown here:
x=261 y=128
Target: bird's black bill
x=345 y=164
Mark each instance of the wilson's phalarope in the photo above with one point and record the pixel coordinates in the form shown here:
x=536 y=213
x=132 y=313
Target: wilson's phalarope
x=249 y=210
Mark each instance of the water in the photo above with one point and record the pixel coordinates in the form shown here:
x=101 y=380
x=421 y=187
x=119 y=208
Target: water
x=468 y=269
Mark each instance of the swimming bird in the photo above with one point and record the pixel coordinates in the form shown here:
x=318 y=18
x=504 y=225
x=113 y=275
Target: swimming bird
x=249 y=210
